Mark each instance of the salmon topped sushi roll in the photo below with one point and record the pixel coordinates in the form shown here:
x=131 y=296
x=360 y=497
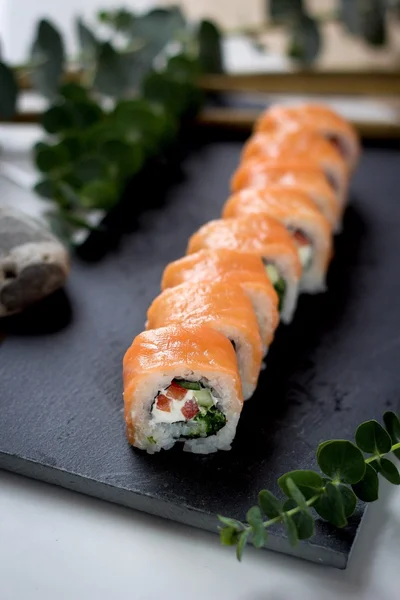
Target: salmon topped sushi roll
x=303 y=175
x=322 y=119
x=181 y=384
x=231 y=267
x=310 y=230
x=225 y=308
x=302 y=143
x=265 y=237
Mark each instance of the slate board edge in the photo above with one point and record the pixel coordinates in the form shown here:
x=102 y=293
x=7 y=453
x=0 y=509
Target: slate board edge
x=150 y=505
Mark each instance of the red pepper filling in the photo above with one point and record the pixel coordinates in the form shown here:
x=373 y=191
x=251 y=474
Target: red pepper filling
x=190 y=409
x=176 y=392
x=163 y=403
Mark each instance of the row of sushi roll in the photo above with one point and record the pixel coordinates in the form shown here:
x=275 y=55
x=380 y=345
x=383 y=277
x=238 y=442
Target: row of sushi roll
x=207 y=333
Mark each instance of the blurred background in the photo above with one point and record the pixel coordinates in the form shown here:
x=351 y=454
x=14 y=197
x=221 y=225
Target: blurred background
x=352 y=34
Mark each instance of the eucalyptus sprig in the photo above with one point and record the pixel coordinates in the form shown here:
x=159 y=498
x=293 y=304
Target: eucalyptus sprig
x=347 y=474
x=135 y=85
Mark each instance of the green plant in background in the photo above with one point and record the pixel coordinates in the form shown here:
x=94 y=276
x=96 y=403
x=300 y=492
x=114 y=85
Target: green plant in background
x=135 y=83
x=365 y=19
x=347 y=474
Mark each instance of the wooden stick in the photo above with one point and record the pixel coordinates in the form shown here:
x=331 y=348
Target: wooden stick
x=376 y=83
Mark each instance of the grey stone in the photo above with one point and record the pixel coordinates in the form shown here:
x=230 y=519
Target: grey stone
x=33 y=263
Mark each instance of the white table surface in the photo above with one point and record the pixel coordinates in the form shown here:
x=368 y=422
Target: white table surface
x=57 y=544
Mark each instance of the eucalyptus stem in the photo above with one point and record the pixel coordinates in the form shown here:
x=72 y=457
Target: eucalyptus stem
x=348 y=475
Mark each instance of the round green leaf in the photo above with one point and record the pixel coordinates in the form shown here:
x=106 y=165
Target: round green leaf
x=47 y=56
x=66 y=195
x=210 y=47
x=57 y=118
x=349 y=499
x=305 y=42
x=255 y=520
x=172 y=94
x=308 y=482
x=88 y=43
x=330 y=506
x=367 y=489
x=269 y=504
x=290 y=529
x=124 y=160
x=74 y=92
x=9 y=92
x=341 y=460
x=304 y=522
x=100 y=194
x=45 y=188
x=73 y=146
x=183 y=68
x=371 y=437
x=49 y=158
x=392 y=424
x=296 y=494
x=89 y=168
x=388 y=470
x=229 y=536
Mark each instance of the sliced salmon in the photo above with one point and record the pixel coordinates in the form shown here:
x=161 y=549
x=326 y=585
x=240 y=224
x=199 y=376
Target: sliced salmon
x=231 y=267
x=322 y=119
x=303 y=175
x=225 y=308
x=301 y=143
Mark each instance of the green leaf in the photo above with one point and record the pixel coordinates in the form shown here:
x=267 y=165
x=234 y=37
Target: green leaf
x=290 y=529
x=371 y=437
x=233 y=523
x=9 y=92
x=341 y=460
x=48 y=158
x=296 y=494
x=148 y=122
x=100 y=194
x=157 y=28
x=210 y=47
x=304 y=521
x=255 y=520
x=88 y=43
x=243 y=537
x=111 y=77
x=330 y=506
x=183 y=68
x=66 y=196
x=89 y=168
x=74 y=92
x=284 y=10
x=367 y=489
x=387 y=469
x=373 y=22
x=269 y=504
x=392 y=424
x=57 y=119
x=45 y=188
x=124 y=159
x=305 y=42
x=308 y=482
x=348 y=498
x=229 y=536
x=172 y=94
x=47 y=55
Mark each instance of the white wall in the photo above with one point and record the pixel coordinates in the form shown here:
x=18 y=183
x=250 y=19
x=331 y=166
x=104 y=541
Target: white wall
x=18 y=19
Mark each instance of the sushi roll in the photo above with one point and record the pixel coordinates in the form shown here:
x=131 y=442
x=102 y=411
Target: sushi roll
x=302 y=143
x=231 y=267
x=303 y=175
x=310 y=230
x=265 y=237
x=181 y=384
x=322 y=119
x=223 y=307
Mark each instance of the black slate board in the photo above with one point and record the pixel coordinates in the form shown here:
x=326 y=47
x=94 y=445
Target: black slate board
x=335 y=366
